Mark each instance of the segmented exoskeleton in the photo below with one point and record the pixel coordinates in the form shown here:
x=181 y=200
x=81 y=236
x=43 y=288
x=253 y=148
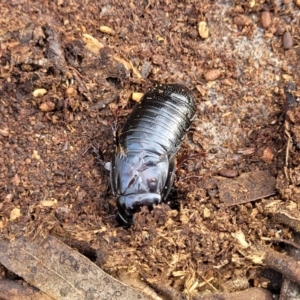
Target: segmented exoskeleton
x=142 y=170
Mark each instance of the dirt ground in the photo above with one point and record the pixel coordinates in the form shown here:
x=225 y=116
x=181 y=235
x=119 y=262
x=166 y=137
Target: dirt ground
x=68 y=70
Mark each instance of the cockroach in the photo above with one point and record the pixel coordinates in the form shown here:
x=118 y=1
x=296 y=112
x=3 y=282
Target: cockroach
x=142 y=169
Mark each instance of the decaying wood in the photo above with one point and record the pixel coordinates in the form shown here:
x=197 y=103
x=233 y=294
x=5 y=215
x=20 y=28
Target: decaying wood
x=282 y=263
x=291 y=290
x=286 y=213
x=133 y=280
x=249 y=294
x=284 y=217
x=55 y=51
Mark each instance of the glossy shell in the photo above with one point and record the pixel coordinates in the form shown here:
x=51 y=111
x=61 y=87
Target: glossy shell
x=143 y=168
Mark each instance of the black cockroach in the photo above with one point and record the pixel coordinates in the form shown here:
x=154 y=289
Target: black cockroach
x=142 y=169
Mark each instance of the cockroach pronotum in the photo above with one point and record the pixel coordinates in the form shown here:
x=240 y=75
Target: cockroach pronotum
x=142 y=169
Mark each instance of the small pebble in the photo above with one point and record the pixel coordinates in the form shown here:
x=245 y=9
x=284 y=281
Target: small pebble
x=201 y=90
x=203 y=30
x=242 y=20
x=228 y=173
x=71 y=92
x=212 y=75
x=265 y=19
x=287 y=40
x=47 y=106
x=297 y=2
x=193 y=33
x=268 y=155
x=157 y=59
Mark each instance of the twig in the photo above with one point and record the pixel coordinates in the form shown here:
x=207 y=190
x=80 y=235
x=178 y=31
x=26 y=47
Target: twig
x=287 y=151
x=295 y=245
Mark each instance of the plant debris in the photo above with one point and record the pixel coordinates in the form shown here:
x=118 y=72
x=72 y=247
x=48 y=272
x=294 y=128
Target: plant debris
x=61 y=272
x=70 y=73
x=246 y=188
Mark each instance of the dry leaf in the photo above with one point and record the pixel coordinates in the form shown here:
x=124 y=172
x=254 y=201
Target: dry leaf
x=60 y=271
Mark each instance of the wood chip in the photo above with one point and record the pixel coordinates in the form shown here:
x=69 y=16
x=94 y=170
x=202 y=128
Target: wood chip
x=4 y=131
x=107 y=30
x=137 y=96
x=92 y=44
x=15 y=213
x=49 y=203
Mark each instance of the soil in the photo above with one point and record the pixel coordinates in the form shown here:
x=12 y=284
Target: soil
x=68 y=70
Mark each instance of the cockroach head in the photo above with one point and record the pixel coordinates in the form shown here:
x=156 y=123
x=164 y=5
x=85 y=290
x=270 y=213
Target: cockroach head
x=128 y=205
